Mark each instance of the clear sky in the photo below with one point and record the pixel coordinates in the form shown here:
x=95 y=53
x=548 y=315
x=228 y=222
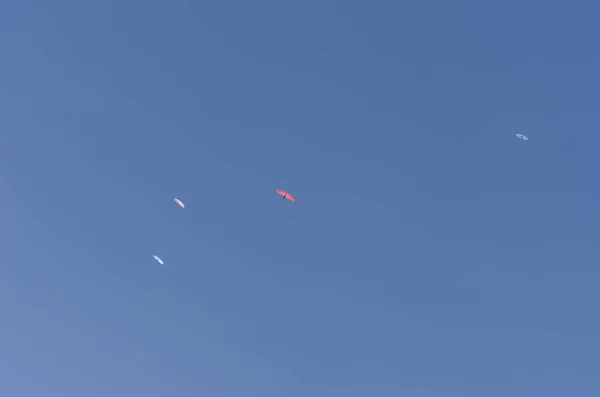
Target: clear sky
x=430 y=252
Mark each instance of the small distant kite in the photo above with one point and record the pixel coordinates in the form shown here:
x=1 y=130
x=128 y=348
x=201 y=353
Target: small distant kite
x=159 y=260
x=523 y=137
x=285 y=195
x=179 y=202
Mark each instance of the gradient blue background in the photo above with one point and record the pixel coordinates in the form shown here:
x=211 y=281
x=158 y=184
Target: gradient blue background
x=431 y=253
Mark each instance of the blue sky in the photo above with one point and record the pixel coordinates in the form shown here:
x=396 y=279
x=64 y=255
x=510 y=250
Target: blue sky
x=431 y=253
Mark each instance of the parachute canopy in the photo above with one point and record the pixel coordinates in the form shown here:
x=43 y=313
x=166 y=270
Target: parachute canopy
x=179 y=202
x=285 y=195
x=159 y=260
x=523 y=137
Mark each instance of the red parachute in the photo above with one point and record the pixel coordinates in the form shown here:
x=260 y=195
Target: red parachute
x=285 y=195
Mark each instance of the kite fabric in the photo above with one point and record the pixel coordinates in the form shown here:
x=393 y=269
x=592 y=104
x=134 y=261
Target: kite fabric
x=159 y=260
x=179 y=202
x=285 y=195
